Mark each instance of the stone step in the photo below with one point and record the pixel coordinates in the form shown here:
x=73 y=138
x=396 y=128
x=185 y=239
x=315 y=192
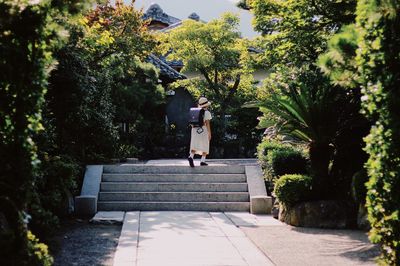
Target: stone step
x=175 y=169
x=172 y=187
x=175 y=196
x=173 y=206
x=195 y=178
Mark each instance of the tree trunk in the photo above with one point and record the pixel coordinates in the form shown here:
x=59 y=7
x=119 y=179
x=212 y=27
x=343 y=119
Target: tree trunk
x=320 y=155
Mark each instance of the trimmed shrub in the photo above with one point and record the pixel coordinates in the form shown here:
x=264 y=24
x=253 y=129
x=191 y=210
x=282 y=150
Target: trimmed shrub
x=267 y=146
x=290 y=189
x=287 y=161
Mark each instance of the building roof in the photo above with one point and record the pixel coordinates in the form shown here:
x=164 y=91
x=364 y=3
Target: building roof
x=171 y=63
x=192 y=16
x=165 y=69
x=155 y=13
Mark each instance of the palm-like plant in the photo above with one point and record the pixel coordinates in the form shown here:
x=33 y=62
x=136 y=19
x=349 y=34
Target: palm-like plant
x=313 y=111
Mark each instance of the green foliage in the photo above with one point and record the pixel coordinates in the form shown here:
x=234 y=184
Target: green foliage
x=287 y=161
x=79 y=107
x=297 y=100
x=296 y=31
x=29 y=33
x=266 y=147
x=290 y=189
x=54 y=188
x=378 y=23
x=102 y=82
x=216 y=51
x=269 y=145
x=366 y=55
x=38 y=252
x=127 y=151
x=264 y=153
x=310 y=110
x=339 y=62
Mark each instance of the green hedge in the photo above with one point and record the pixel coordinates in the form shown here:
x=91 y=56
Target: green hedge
x=263 y=149
x=269 y=145
x=290 y=189
x=287 y=161
x=378 y=63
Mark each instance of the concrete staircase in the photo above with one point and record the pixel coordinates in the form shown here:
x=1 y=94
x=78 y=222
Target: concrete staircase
x=173 y=188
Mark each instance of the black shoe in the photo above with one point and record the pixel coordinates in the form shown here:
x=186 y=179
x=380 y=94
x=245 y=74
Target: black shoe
x=190 y=159
x=203 y=164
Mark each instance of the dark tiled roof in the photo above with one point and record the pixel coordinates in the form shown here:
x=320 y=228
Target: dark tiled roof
x=192 y=16
x=172 y=26
x=165 y=69
x=171 y=63
x=255 y=50
x=155 y=13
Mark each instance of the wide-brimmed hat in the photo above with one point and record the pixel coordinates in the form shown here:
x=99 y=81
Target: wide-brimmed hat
x=203 y=102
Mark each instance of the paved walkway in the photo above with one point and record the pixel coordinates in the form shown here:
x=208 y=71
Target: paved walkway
x=185 y=239
x=212 y=238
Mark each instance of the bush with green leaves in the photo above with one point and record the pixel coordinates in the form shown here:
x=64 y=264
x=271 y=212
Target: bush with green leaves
x=365 y=56
x=378 y=23
x=265 y=147
x=287 y=161
x=59 y=179
x=290 y=189
x=30 y=31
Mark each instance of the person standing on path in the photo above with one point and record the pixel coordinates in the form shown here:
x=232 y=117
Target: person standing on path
x=200 y=142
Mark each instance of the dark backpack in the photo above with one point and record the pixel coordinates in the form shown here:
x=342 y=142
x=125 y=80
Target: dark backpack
x=196 y=117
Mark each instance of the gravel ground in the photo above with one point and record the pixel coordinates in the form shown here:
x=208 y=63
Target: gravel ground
x=81 y=243
x=287 y=245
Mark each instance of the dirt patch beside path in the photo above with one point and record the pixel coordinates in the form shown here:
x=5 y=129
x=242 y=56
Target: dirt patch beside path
x=81 y=243
x=287 y=245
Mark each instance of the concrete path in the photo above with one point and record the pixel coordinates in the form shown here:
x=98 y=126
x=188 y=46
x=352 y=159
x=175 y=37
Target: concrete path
x=187 y=238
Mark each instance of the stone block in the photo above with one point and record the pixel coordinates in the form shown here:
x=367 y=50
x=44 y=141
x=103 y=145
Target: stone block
x=260 y=204
x=85 y=206
x=335 y=214
x=132 y=160
x=113 y=217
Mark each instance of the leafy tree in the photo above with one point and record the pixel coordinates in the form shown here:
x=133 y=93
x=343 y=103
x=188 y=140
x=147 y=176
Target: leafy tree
x=373 y=56
x=102 y=81
x=297 y=99
x=216 y=51
x=295 y=32
x=79 y=107
x=339 y=61
x=29 y=32
x=127 y=44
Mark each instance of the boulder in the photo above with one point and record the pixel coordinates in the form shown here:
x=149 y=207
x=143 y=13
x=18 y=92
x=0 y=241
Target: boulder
x=275 y=209
x=320 y=214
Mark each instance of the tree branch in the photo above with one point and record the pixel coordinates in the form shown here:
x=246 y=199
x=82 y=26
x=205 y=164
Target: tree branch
x=210 y=82
x=233 y=89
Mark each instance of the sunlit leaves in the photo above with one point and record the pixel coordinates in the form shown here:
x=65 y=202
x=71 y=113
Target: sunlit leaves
x=216 y=51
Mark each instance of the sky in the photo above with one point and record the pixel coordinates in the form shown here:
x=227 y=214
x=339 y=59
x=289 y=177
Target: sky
x=206 y=9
